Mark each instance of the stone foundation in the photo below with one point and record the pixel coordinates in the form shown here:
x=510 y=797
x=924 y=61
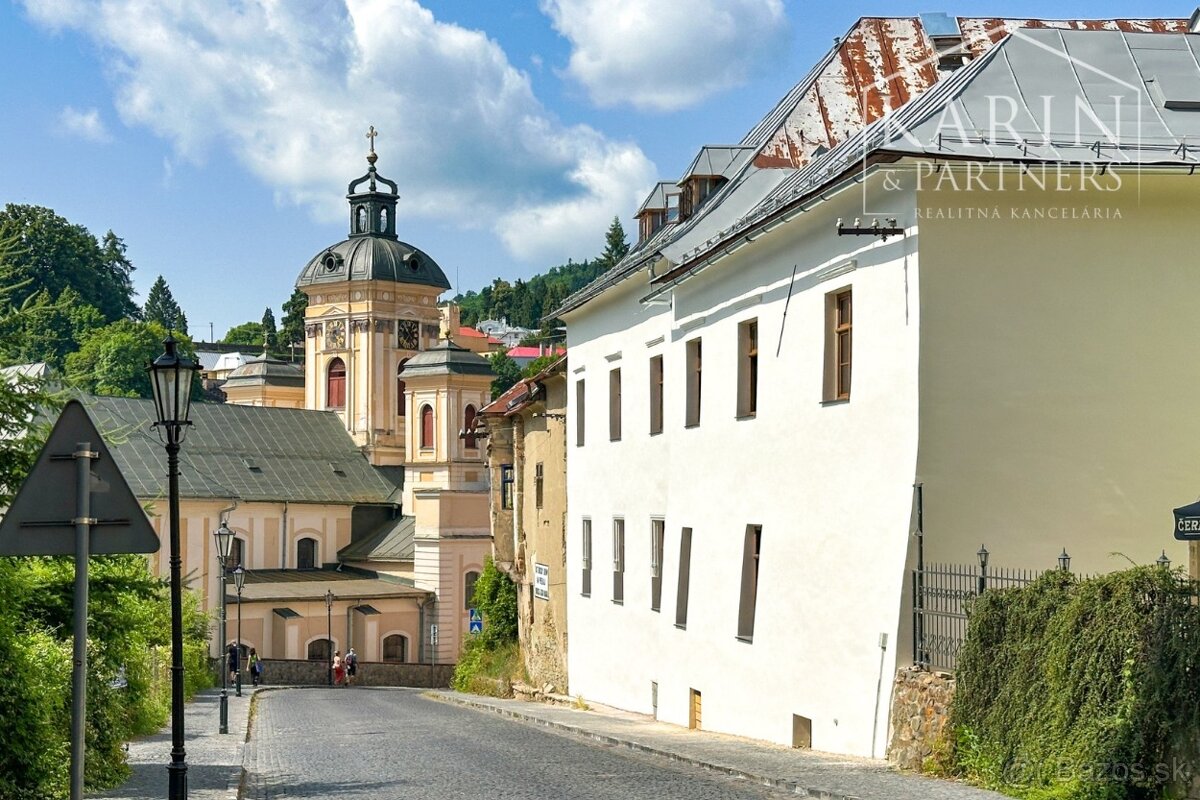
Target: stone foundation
x=920 y=710
x=278 y=672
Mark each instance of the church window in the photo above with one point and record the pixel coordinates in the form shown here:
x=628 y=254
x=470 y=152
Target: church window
x=395 y=648
x=426 y=427
x=320 y=650
x=400 y=398
x=306 y=553
x=235 y=554
x=469 y=440
x=472 y=578
x=360 y=219
x=335 y=391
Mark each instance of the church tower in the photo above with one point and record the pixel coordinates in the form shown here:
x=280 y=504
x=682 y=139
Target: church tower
x=372 y=305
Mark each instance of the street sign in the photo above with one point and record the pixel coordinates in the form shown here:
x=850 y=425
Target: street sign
x=1187 y=522
x=541 y=581
x=475 y=624
x=475 y=615
x=41 y=520
x=476 y=627
x=433 y=635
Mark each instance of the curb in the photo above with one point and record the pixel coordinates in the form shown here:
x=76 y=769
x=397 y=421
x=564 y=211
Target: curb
x=785 y=784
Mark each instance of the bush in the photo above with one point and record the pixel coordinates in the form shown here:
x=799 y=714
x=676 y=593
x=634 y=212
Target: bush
x=1081 y=689
x=489 y=661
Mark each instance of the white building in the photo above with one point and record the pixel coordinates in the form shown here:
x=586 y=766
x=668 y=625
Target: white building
x=739 y=521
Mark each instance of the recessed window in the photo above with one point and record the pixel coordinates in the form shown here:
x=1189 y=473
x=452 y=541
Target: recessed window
x=747 y=399
x=320 y=650
x=673 y=207
x=469 y=441
x=469 y=582
x=395 y=648
x=751 y=547
x=614 y=405
x=426 y=427
x=580 y=416
x=656 y=395
x=538 y=483
x=401 y=400
x=838 y=345
x=335 y=385
x=360 y=219
x=694 y=366
x=618 y=560
x=657 y=533
x=383 y=220
x=586 y=549
x=685 y=569
x=236 y=553
x=306 y=553
x=506 y=485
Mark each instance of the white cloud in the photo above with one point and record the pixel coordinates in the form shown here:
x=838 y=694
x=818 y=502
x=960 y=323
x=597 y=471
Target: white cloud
x=289 y=89
x=84 y=124
x=667 y=54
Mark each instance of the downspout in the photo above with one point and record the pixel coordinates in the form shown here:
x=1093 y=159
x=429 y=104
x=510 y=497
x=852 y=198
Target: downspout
x=283 y=536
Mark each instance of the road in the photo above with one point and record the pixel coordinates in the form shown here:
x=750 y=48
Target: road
x=394 y=743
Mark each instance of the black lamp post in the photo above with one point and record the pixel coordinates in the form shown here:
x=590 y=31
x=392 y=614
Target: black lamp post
x=983 y=562
x=329 y=630
x=239 y=580
x=224 y=538
x=1163 y=561
x=1064 y=561
x=171 y=378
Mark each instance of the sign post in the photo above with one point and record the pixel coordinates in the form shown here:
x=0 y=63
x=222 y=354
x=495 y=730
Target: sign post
x=39 y=523
x=475 y=622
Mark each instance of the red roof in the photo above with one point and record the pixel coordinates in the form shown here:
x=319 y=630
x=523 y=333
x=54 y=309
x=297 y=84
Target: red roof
x=468 y=331
x=533 y=352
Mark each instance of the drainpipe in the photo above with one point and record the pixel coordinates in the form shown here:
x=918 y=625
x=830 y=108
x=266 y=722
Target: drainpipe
x=283 y=537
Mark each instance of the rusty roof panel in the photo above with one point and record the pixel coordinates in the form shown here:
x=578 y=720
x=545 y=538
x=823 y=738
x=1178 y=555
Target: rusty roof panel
x=980 y=33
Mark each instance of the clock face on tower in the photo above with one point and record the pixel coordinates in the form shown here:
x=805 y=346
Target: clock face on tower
x=335 y=335
x=407 y=331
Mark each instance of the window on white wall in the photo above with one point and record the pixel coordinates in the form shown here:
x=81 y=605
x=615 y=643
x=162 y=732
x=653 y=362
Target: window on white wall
x=657 y=533
x=580 y=396
x=751 y=547
x=586 y=549
x=747 y=398
x=685 y=569
x=618 y=560
x=694 y=365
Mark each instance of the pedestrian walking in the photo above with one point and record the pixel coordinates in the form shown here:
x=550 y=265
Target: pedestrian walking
x=351 y=666
x=233 y=662
x=339 y=668
x=255 y=667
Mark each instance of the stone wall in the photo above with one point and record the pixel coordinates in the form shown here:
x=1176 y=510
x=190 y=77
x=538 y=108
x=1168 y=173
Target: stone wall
x=278 y=672
x=920 y=710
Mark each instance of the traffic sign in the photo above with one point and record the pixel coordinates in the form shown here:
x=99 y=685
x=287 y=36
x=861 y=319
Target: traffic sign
x=41 y=520
x=476 y=627
x=475 y=615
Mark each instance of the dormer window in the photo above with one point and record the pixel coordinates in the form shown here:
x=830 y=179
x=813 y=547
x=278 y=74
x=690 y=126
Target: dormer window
x=673 y=207
x=696 y=190
x=649 y=222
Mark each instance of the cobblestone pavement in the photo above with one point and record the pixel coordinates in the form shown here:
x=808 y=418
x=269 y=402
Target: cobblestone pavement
x=802 y=772
x=214 y=760
x=396 y=743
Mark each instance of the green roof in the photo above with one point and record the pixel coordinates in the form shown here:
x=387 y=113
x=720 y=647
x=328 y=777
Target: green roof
x=391 y=541
x=250 y=453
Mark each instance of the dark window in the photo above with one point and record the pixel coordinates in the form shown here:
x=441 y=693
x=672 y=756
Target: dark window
x=685 y=568
x=469 y=441
x=335 y=390
x=614 y=405
x=395 y=648
x=320 y=650
x=618 y=560
x=400 y=398
x=656 y=394
x=306 y=554
x=750 y=556
x=236 y=553
x=747 y=399
x=469 y=589
x=841 y=329
x=657 y=533
x=506 y=485
x=426 y=426
x=694 y=367
x=587 y=558
x=579 y=412
x=537 y=483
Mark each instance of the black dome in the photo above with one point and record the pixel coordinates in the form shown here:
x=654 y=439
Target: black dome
x=372 y=258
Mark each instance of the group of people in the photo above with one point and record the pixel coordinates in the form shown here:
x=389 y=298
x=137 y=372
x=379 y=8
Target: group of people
x=252 y=659
x=344 y=669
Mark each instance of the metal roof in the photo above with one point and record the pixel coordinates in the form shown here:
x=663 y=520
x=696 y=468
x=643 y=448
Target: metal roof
x=243 y=452
x=725 y=161
x=391 y=541
x=447 y=358
x=657 y=199
x=265 y=371
x=372 y=257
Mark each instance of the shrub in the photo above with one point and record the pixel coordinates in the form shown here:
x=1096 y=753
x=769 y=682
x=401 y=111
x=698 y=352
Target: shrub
x=491 y=659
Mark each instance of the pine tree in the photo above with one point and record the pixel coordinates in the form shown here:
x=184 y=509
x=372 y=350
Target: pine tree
x=161 y=308
x=615 y=246
x=269 y=330
x=291 y=331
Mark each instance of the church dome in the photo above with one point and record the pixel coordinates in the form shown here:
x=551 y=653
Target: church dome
x=265 y=371
x=446 y=358
x=372 y=252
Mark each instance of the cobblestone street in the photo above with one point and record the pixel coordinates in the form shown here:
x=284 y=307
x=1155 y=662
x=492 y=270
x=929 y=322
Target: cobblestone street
x=395 y=743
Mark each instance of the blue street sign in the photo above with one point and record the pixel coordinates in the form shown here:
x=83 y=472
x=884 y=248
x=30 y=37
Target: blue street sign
x=476 y=626
x=475 y=616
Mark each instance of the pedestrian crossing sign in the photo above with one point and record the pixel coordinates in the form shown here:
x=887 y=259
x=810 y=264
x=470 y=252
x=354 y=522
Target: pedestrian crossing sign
x=476 y=616
x=476 y=627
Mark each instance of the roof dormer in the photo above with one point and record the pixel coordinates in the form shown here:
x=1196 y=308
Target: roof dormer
x=712 y=168
x=653 y=212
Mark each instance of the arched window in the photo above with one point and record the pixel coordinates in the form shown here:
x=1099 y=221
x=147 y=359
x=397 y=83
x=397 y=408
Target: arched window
x=469 y=589
x=236 y=554
x=400 y=388
x=360 y=219
x=335 y=392
x=469 y=441
x=395 y=648
x=426 y=426
x=306 y=553
x=383 y=220
x=319 y=650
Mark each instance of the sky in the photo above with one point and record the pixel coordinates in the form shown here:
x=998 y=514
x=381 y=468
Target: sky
x=217 y=137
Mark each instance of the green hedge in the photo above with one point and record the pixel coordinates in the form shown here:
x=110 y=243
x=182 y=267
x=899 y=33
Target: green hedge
x=490 y=658
x=1081 y=689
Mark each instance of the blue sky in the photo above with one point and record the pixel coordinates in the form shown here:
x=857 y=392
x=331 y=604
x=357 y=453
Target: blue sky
x=217 y=138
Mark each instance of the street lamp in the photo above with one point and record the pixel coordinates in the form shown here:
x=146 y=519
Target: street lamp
x=329 y=630
x=171 y=379
x=239 y=580
x=224 y=538
x=1064 y=561
x=1162 y=560
x=983 y=562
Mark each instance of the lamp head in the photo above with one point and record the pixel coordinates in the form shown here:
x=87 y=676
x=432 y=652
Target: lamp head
x=239 y=578
x=1064 y=560
x=983 y=557
x=224 y=538
x=171 y=379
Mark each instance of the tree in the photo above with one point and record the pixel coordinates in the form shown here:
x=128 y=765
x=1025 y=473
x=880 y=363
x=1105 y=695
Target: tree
x=161 y=308
x=291 y=330
x=248 y=334
x=507 y=373
x=112 y=360
x=47 y=330
x=615 y=246
x=54 y=254
x=269 y=331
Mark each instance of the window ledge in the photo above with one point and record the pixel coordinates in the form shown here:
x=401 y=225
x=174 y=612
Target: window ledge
x=681 y=625
x=691 y=425
x=656 y=433
x=617 y=602
x=746 y=639
x=656 y=610
x=617 y=439
x=837 y=401
x=751 y=415
x=585 y=594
